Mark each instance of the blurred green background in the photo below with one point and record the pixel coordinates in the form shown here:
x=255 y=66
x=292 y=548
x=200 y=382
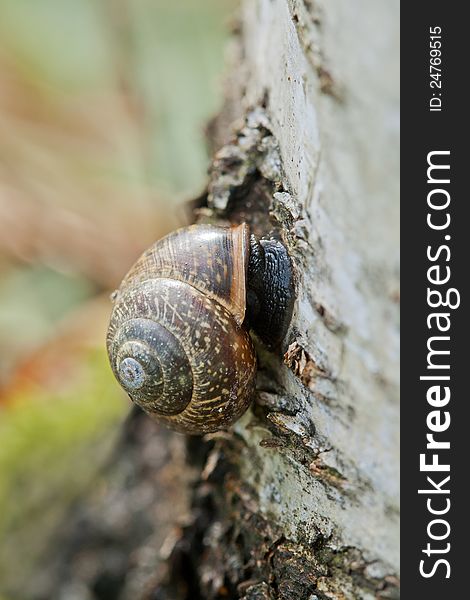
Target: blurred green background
x=103 y=105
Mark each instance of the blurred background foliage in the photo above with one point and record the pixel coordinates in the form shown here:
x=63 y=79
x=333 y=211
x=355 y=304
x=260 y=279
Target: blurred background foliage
x=103 y=105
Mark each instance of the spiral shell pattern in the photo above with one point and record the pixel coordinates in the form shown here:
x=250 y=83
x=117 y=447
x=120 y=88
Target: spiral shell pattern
x=176 y=341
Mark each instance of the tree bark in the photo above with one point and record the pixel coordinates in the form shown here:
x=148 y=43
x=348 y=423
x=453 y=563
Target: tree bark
x=300 y=499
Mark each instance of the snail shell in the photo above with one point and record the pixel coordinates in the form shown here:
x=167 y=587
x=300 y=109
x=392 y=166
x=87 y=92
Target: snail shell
x=176 y=340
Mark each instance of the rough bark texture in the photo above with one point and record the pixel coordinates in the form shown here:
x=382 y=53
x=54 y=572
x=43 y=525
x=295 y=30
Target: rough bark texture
x=300 y=500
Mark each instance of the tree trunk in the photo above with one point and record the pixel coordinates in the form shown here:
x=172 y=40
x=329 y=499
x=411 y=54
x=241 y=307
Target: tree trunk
x=300 y=500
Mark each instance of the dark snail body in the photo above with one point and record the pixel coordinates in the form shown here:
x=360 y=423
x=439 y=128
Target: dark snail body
x=270 y=293
x=178 y=341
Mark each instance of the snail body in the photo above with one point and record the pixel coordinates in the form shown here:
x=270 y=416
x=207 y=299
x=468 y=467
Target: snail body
x=178 y=339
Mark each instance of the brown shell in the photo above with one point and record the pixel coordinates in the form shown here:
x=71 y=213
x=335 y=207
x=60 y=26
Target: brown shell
x=188 y=292
x=212 y=259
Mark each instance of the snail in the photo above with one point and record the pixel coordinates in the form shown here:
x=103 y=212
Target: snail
x=178 y=339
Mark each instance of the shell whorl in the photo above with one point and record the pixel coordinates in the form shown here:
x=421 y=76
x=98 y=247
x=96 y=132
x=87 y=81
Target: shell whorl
x=175 y=340
x=151 y=364
x=214 y=260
